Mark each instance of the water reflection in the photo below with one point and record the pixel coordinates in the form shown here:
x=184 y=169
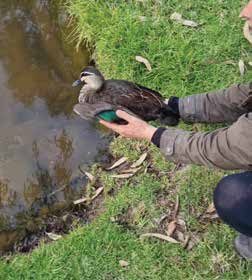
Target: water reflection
x=41 y=142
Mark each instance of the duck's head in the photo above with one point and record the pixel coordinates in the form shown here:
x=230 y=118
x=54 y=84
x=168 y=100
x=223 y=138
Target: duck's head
x=91 y=77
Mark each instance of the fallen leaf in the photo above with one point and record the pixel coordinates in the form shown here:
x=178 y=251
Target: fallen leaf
x=181 y=222
x=142 y=18
x=81 y=200
x=56 y=191
x=186 y=241
x=176 y=209
x=241 y=67
x=163 y=202
x=131 y=170
x=117 y=163
x=90 y=176
x=85 y=199
x=190 y=23
x=122 y=176
x=230 y=62
x=176 y=16
x=161 y=219
x=144 y=61
x=193 y=241
x=53 y=236
x=159 y=236
x=171 y=228
x=191 y=244
x=139 y=161
x=97 y=193
x=211 y=209
x=246 y=32
x=215 y=216
x=123 y=263
x=180 y=236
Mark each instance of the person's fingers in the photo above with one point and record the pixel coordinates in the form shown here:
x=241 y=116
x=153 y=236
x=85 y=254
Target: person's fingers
x=110 y=125
x=124 y=115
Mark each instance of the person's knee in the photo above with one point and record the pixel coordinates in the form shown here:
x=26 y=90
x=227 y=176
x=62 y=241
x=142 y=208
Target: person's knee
x=229 y=193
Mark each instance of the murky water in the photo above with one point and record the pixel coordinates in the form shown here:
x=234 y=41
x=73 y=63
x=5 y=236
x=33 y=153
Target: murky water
x=42 y=142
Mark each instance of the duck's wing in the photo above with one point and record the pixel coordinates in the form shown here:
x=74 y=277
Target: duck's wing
x=89 y=111
x=132 y=95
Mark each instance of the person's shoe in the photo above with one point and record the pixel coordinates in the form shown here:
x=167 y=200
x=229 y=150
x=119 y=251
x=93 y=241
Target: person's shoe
x=243 y=246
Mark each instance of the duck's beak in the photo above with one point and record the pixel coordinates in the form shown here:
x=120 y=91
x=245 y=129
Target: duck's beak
x=77 y=83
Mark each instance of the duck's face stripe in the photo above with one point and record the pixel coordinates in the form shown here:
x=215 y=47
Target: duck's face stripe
x=84 y=74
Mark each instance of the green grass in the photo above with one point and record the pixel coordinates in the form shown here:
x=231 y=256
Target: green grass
x=184 y=61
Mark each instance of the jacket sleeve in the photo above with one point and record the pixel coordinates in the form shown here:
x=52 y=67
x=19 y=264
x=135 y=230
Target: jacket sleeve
x=226 y=148
x=218 y=106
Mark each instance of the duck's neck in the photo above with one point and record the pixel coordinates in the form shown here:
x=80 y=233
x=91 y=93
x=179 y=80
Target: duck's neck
x=85 y=93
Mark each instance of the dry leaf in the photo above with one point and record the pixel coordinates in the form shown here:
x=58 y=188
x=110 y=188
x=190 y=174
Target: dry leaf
x=171 y=228
x=117 y=163
x=139 y=161
x=144 y=61
x=176 y=16
x=161 y=219
x=176 y=209
x=181 y=222
x=123 y=263
x=131 y=170
x=211 y=209
x=97 y=193
x=84 y=199
x=90 y=176
x=53 y=236
x=186 y=241
x=122 y=176
x=229 y=62
x=81 y=200
x=160 y=236
x=142 y=18
x=215 y=216
x=193 y=241
x=246 y=32
x=180 y=236
x=241 y=67
x=190 y=23
x=191 y=244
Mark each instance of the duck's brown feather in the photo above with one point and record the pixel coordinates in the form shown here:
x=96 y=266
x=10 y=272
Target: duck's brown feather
x=140 y=100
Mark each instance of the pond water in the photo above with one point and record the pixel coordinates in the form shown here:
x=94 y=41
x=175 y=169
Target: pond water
x=42 y=143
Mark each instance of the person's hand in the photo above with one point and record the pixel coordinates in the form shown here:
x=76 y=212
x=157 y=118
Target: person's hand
x=246 y=13
x=135 y=128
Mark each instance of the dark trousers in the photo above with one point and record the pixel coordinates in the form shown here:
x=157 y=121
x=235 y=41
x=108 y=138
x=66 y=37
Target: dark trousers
x=233 y=201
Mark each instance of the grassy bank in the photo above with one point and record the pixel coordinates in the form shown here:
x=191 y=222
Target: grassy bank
x=184 y=61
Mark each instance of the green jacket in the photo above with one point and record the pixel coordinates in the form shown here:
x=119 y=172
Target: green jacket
x=226 y=148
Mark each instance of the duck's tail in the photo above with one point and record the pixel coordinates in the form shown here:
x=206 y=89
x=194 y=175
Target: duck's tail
x=168 y=116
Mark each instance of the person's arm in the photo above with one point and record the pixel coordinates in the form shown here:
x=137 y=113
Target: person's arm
x=226 y=148
x=218 y=106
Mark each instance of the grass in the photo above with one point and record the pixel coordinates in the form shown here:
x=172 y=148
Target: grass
x=184 y=61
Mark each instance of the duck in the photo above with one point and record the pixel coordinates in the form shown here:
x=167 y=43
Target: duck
x=141 y=101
